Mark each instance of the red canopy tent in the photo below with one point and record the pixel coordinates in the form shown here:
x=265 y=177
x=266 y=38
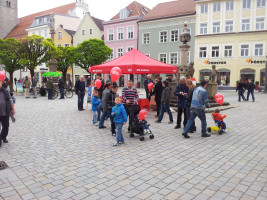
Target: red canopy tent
x=135 y=62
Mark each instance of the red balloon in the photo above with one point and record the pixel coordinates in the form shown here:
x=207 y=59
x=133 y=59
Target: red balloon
x=219 y=98
x=90 y=69
x=115 y=73
x=2 y=76
x=142 y=114
x=150 y=86
x=98 y=84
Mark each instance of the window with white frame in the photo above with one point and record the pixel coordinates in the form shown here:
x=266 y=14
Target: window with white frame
x=260 y=24
x=163 y=36
x=246 y=4
x=229 y=26
x=120 y=52
x=130 y=31
x=216 y=27
x=123 y=14
x=40 y=33
x=45 y=33
x=258 y=50
x=110 y=35
x=245 y=24
x=111 y=55
x=203 y=52
x=204 y=8
x=174 y=35
x=244 y=50
x=59 y=45
x=203 y=28
x=174 y=58
x=83 y=32
x=217 y=7
x=146 y=38
x=261 y=3
x=229 y=5
x=228 y=51
x=215 y=51
x=90 y=31
x=33 y=33
x=59 y=35
x=129 y=49
x=67 y=45
x=163 y=57
x=120 y=33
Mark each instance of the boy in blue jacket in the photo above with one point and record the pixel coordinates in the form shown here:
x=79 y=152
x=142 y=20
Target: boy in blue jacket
x=96 y=104
x=120 y=119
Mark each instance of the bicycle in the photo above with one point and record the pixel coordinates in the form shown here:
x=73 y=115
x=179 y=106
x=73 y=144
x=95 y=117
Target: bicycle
x=68 y=92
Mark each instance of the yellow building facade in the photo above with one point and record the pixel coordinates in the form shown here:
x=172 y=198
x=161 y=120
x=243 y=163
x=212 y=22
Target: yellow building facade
x=231 y=34
x=64 y=38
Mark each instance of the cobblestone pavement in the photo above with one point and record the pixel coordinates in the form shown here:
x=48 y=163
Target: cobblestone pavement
x=54 y=152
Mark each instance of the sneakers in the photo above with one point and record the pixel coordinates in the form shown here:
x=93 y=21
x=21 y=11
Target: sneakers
x=170 y=122
x=122 y=142
x=114 y=134
x=205 y=135
x=116 y=145
x=185 y=135
x=96 y=124
x=102 y=127
x=157 y=122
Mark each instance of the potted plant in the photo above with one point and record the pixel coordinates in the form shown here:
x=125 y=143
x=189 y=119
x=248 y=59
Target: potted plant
x=138 y=84
x=257 y=85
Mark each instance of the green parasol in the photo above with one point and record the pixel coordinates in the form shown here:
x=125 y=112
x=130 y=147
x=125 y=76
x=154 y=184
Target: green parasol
x=51 y=74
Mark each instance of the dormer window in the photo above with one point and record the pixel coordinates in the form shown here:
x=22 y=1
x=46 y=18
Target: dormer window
x=124 y=13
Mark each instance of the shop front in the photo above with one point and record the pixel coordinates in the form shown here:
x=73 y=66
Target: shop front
x=223 y=77
x=262 y=77
x=246 y=74
x=205 y=74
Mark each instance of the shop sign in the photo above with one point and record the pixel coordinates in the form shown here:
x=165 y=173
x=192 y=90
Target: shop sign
x=208 y=62
x=249 y=60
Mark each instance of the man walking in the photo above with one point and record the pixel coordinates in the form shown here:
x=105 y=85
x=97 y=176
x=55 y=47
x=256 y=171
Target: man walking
x=181 y=91
x=200 y=101
x=6 y=106
x=27 y=85
x=34 y=84
x=61 y=88
x=250 y=88
x=80 y=91
x=50 y=88
x=146 y=82
x=158 y=92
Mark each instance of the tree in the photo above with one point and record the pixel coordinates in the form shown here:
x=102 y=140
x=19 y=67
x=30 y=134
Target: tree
x=64 y=59
x=91 y=52
x=10 y=51
x=36 y=51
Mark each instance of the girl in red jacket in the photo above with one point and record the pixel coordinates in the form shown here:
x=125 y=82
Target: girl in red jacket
x=219 y=119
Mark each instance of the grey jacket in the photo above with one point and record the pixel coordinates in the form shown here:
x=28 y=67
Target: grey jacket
x=105 y=99
x=166 y=95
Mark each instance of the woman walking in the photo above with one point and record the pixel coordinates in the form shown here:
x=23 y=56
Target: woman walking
x=188 y=101
x=241 y=87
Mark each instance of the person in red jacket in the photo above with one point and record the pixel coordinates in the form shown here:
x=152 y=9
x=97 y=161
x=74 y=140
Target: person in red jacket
x=219 y=119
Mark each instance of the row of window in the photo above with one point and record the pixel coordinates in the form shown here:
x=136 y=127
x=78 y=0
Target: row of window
x=229 y=26
x=258 y=50
x=120 y=34
x=90 y=32
x=173 y=58
x=41 y=33
x=163 y=36
x=229 y=6
x=119 y=52
x=65 y=45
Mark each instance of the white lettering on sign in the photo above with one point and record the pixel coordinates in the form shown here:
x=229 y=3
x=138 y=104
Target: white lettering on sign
x=115 y=73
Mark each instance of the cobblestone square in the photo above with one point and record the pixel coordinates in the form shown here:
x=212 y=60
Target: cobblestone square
x=54 y=152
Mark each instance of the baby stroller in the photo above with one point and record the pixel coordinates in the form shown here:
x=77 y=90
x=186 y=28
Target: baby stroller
x=135 y=125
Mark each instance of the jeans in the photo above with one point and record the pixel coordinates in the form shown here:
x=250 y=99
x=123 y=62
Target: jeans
x=34 y=91
x=119 y=133
x=193 y=127
x=99 y=114
x=5 y=125
x=113 y=125
x=252 y=94
x=165 y=108
x=61 y=93
x=179 y=116
x=50 y=93
x=221 y=123
x=102 y=119
x=241 y=94
x=80 y=100
x=200 y=113
x=95 y=115
x=158 y=107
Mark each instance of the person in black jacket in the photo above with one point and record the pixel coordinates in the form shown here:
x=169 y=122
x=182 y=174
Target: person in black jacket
x=80 y=91
x=188 y=100
x=241 y=87
x=61 y=88
x=165 y=102
x=146 y=82
x=181 y=91
x=250 y=88
x=158 y=92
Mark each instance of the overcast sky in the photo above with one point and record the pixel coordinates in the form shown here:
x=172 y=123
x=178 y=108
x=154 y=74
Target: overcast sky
x=103 y=9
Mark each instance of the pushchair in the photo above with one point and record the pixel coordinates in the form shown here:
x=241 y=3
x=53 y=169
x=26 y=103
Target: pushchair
x=134 y=123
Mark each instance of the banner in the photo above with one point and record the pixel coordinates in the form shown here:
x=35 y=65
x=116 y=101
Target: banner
x=19 y=88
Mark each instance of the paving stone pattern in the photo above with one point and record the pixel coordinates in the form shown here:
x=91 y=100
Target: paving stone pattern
x=54 y=152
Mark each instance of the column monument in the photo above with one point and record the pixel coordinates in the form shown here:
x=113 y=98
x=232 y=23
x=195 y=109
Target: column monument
x=52 y=64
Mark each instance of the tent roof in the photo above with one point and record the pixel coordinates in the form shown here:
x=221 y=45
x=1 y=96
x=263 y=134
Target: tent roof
x=135 y=62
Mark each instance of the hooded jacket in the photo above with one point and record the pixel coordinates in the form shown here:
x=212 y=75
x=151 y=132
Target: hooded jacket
x=95 y=103
x=119 y=114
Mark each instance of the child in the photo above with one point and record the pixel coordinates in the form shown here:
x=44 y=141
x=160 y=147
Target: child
x=145 y=126
x=96 y=103
x=219 y=119
x=120 y=118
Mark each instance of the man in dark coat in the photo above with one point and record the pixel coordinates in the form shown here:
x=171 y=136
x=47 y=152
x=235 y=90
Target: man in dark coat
x=146 y=82
x=250 y=88
x=80 y=91
x=158 y=92
x=181 y=91
x=61 y=87
x=50 y=88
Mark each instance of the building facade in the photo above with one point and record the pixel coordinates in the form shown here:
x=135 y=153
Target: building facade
x=160 y=30
x=121 y=33
x=231 y=34
x=8 y=16
x=89 y=28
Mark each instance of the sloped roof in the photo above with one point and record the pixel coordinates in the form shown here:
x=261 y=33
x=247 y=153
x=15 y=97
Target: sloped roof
x=171 y=9
x=20 y=32
x=70 y=32
x=99 y=23
x=136 y=9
